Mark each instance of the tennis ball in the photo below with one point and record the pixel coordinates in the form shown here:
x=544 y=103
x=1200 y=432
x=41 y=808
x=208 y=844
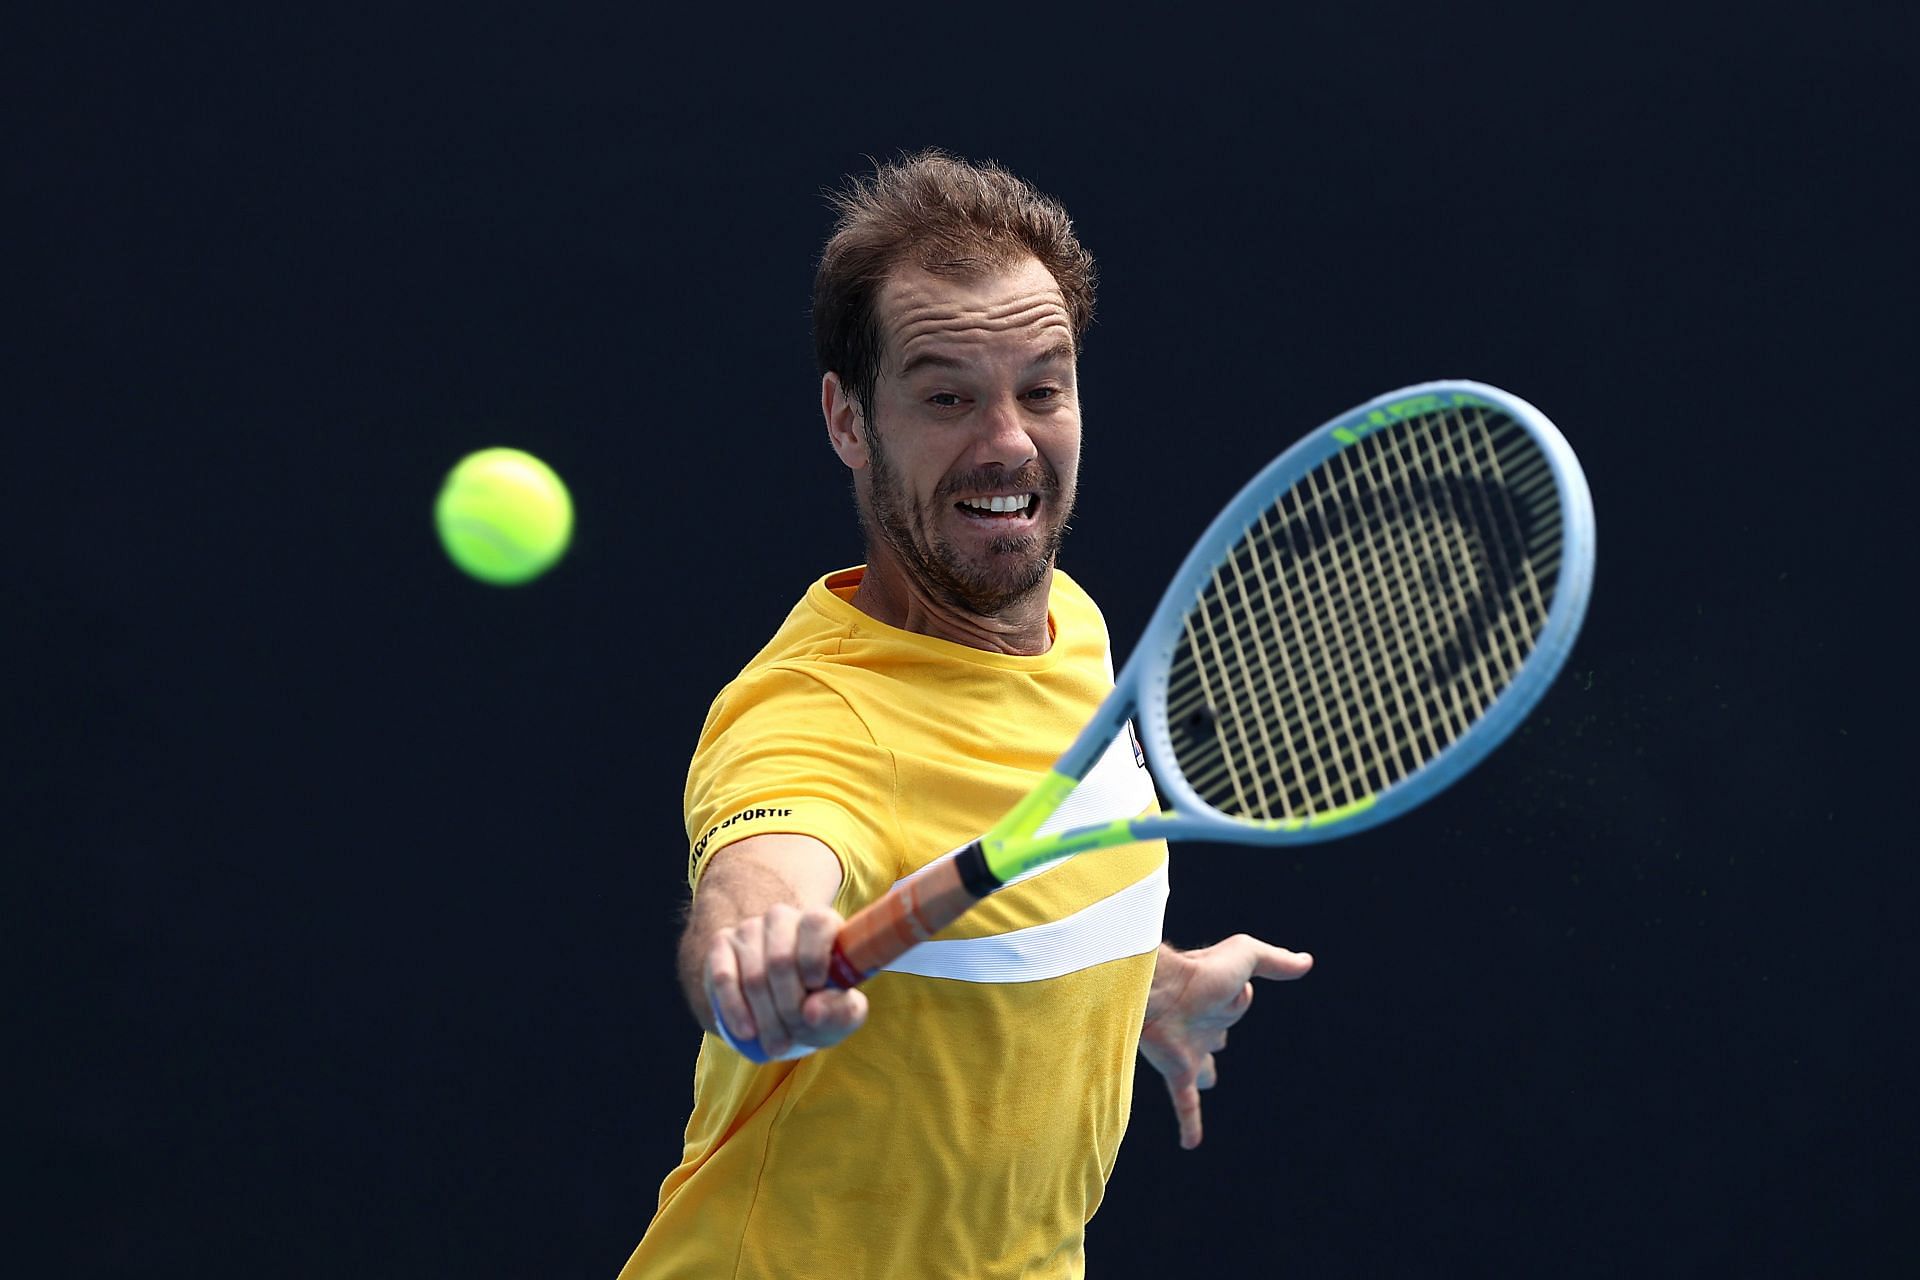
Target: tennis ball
x=504 y=516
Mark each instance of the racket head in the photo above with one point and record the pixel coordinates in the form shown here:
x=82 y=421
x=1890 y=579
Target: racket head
x=1466 y=517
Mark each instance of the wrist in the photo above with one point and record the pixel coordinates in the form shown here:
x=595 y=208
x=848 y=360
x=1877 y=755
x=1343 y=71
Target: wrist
x=1169 y=978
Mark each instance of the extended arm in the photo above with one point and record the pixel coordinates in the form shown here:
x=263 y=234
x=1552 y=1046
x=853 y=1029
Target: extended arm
x=757 y=940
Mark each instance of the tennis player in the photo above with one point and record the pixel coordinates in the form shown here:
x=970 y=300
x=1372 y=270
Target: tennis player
x=960 y=1113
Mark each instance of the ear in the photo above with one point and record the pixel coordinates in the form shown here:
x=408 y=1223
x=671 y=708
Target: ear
x=846 y=425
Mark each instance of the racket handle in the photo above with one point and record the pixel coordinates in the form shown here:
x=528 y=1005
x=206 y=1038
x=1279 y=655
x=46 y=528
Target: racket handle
x=890 y=926
x=908 y=914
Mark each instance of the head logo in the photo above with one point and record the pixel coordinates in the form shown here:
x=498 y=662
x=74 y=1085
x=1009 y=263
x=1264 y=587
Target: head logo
x=1401 y=410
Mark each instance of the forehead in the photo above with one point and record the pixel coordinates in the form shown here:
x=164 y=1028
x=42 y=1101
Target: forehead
x=1013 y=308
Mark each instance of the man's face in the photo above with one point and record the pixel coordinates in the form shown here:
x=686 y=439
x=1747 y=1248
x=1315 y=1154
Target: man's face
x=974 y=432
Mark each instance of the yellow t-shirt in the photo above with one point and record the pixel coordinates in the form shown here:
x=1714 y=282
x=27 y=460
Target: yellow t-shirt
x=968 y=1129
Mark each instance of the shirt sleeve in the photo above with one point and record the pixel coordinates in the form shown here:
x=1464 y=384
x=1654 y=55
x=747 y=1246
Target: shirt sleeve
x=781 y=752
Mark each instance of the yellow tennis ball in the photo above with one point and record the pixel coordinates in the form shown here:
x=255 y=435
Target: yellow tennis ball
x=504 y=516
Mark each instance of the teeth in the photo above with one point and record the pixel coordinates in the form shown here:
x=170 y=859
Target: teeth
x=1019 y=502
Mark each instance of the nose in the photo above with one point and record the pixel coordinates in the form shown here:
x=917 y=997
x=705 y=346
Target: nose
x=1004 y=439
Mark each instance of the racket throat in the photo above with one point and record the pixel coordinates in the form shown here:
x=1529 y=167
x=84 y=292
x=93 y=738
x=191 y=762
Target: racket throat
x=975 y=871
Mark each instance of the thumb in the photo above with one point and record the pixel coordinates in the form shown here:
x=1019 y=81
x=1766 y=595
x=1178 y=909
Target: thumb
x=1278 y=963
x=832 y=1015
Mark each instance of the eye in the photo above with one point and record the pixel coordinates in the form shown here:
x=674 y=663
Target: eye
x=944 y=399
x=1043 y=393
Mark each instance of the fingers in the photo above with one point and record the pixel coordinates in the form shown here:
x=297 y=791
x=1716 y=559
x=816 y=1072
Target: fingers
x=768 y=976
x=833 y=1015
x=1185 y=1089
x=763 y=976
x=1186 y=1110
x=755 y=984
x=723 y=989
x=813 y=945
x=1181 y=1041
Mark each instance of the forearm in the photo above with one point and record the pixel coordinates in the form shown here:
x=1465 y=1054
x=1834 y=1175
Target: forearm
x=745 y=890
x=743 y=882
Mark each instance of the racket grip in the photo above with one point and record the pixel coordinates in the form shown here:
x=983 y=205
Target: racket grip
x=908 y=914
x=887 y=928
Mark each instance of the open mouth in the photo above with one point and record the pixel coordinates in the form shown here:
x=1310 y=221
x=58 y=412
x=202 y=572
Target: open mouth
x=1013 y=506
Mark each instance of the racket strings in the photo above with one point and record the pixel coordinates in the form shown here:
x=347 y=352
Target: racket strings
x=1367 y=618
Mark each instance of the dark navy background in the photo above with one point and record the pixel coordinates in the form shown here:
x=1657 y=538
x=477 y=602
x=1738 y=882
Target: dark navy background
x=343 y=889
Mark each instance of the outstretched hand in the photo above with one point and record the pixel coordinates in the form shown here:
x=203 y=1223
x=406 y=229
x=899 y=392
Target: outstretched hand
x=1196 y=996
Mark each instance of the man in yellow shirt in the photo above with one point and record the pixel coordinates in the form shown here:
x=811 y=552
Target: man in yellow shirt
x=960 y=1113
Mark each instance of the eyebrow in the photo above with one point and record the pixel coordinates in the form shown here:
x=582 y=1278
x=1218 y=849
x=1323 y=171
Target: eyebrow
x=1060 y=353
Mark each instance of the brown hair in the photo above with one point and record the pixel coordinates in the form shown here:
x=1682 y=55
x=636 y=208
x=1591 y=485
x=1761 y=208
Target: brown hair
x=942 y=214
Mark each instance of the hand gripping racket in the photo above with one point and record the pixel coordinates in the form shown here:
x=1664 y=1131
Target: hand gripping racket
x=1369 y=617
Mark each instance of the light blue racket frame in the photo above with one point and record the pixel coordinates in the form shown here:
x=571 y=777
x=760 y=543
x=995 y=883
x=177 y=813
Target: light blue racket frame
x=1142 y=682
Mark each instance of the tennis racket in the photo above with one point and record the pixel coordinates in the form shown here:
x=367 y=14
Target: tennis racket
x=1370 y=616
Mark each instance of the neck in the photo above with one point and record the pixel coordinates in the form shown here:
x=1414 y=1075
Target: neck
x=1022 y=628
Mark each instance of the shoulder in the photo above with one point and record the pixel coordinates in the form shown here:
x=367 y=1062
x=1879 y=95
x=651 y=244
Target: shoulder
x=1079 y=627
x=1070 y=601
x=786 y=671
x=790 y=693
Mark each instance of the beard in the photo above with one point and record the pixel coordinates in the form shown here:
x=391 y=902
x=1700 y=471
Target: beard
x=984 y=584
